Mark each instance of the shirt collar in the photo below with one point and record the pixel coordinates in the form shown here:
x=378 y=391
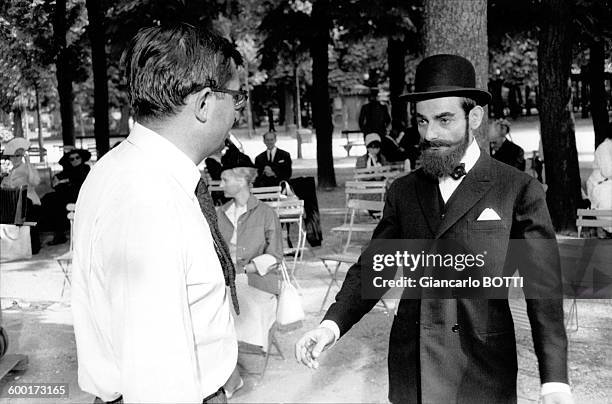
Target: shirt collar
x=160 y=150
x=471 y=155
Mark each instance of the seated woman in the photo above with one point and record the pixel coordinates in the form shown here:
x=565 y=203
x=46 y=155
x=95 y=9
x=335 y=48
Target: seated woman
x=253 y=233
x=599 y=184
x=66 y=185
x=23 y=173
x=373 y=158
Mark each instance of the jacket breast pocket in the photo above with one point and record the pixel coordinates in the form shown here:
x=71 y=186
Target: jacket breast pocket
x=487 y=225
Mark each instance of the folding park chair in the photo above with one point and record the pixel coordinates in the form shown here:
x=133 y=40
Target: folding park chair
x=267 y=193
x=370 y=190
x=339 y=259
x=593 y=218
x=289 y=211
x=585 y=218
x=65 y=260
x=273 y=343
x=354 y=206
x=388 y=172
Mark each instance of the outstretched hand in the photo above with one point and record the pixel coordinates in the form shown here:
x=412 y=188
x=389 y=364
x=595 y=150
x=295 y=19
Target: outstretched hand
x=309 y=347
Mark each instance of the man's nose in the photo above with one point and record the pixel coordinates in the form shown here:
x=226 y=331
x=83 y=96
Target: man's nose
x=429 y=133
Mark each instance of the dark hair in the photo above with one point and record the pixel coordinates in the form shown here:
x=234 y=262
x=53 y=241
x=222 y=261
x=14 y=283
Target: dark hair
x=467 y=104
x=165 y=64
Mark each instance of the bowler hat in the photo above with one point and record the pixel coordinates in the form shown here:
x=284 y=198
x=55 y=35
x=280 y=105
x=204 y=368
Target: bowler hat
x=446 y=76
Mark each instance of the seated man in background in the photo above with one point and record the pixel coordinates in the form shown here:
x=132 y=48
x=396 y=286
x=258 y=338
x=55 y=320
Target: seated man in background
x=503 y=149
x=273 y=165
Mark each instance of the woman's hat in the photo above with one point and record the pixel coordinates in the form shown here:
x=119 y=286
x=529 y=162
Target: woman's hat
x=84 y=154
x=372 y=137
x=446 y=76
x=15 y=144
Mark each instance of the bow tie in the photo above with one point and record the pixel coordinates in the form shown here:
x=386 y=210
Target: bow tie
x=458 y=172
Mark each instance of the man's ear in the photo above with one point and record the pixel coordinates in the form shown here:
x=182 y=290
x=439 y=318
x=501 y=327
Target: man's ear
x=475 y=117
x=201 y=104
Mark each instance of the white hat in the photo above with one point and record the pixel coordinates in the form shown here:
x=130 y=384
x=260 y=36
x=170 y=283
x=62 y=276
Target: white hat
x=15 y=144
x=372 y=137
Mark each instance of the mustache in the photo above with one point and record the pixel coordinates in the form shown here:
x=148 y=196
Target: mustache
x=427 y=144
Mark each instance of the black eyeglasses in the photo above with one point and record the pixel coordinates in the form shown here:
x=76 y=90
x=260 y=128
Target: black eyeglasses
x=240 y=96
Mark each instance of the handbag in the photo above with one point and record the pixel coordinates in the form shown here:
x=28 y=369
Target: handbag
x=270 y=282
x=289 y=309
x=15 y=243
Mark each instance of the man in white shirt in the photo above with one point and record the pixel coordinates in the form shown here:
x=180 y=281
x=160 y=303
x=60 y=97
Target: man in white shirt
x=460 y=349
x=151 y=310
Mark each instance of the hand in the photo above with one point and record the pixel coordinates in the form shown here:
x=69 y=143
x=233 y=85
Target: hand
x=309 y=347
x=268 y=171
x=557 y=398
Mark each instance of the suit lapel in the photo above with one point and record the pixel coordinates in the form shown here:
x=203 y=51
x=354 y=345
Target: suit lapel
x=471 y=190
x=427 y=195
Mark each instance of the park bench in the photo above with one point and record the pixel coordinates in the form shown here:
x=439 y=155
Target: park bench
x=357 y=141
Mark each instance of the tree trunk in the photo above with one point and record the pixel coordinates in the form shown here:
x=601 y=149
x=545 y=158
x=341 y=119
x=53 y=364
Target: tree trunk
x=459 y=27
x=556 y=117
x=321 y=114
x=397 y=72
x=598 y=91
x=98 y=62
x=64 y=81
x=17 y=122
x=289 y=105
x=584 y=94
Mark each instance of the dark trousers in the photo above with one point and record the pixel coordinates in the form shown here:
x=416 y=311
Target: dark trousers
x=215 y=398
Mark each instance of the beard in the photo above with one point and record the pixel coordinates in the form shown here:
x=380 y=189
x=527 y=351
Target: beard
x=440 y=163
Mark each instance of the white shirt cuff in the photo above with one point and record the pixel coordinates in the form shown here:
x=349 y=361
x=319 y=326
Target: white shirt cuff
x=555 y=387
x=333 y=327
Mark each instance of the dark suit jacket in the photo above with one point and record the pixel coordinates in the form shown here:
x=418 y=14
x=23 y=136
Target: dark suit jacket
x=281 y=165
x=463 y=350
x=511 y=154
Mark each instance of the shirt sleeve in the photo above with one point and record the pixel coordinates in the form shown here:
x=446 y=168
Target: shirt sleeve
x=152 y=333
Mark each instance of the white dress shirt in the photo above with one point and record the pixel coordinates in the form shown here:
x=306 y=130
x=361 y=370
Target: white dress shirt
x=151 y=313
x=448 y=185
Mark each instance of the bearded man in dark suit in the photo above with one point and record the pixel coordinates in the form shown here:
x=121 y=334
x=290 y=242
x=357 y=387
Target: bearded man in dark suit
x=460 y=350
x=273 y=165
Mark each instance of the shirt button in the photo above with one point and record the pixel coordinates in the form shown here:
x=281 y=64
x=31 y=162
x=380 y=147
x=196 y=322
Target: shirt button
x=455 y=328
x=442 y=216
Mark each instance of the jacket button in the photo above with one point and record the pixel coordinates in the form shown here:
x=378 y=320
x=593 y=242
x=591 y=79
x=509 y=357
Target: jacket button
x=442 y=216
x=455 y=328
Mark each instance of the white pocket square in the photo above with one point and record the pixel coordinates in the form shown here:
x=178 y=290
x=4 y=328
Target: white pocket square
x=488 y=214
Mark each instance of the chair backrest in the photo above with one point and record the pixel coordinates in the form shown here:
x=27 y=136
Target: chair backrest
x=288 y=210
x=389 y=171
x=597 y=218
x=70 y=208
x=214 y=185
x=267 y=193
x=361 y=204
x=365 y=188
